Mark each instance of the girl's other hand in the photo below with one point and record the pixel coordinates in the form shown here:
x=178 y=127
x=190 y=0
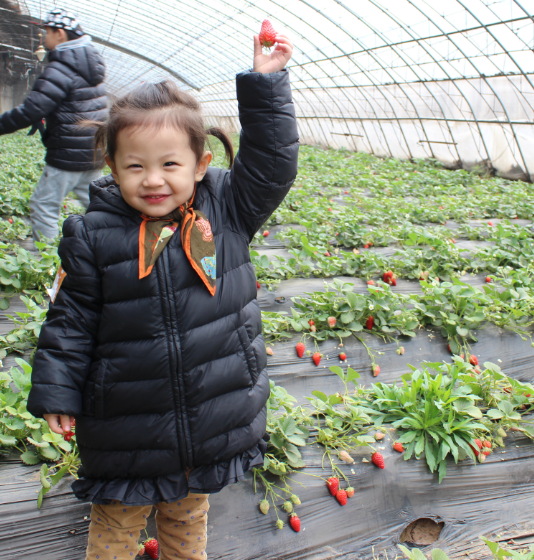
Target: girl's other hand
x=277 y=59
x=59 y=423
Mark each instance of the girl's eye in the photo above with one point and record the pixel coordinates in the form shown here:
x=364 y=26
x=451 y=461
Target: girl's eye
x=134 y=165
x=169 y=163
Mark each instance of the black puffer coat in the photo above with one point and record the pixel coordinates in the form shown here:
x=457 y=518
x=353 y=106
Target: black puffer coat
x=70 y=89
x=160 y=375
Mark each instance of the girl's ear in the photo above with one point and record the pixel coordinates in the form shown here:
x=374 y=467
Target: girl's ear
x=113 y=169
x=202 y=166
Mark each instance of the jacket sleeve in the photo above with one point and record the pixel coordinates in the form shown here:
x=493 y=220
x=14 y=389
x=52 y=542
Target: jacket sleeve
x=49 y=90
x=67 y=341
x=266 y=163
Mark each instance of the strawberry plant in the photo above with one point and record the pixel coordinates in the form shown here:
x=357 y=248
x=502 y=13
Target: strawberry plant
x=456 y=309
x=435 y=415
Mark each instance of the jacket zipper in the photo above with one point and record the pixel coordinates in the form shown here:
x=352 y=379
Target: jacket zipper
x=176 y=365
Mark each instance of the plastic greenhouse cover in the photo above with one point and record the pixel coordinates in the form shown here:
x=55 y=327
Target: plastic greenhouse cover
x=410 y=79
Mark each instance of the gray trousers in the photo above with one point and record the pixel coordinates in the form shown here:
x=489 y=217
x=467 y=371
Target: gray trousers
x=52 y=188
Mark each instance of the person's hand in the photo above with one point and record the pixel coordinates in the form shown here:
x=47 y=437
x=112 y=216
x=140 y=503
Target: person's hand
x=59 y=423
x=277 y=59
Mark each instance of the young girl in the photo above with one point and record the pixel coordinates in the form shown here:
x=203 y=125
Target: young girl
x=153 y=339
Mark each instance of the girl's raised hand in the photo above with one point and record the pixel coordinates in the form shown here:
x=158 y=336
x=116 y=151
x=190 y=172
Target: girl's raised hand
x=277 y=59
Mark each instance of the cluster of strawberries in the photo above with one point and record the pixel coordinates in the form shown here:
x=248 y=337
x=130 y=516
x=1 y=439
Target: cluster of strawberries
x=150 y=547
x=339 y=494
x=316 y=356
x=294 y=521
x=482 y=449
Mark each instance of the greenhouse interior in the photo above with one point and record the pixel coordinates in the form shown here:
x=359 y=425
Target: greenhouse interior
x=362 y=273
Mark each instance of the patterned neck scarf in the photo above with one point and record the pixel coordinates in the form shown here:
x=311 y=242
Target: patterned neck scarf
x=197 y=241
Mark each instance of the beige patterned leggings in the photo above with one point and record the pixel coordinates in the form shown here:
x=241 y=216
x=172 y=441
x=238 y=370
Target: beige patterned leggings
x=182 y=529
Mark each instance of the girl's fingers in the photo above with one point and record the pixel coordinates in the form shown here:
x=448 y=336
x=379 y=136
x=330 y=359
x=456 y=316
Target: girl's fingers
x=257 y=46
x=65 y=422
x=53 y=423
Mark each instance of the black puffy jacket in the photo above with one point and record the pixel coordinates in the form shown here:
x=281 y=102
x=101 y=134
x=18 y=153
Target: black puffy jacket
x=161 y=376
x=70 y=89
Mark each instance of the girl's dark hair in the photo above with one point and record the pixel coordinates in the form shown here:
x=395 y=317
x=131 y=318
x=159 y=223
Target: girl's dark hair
x=157 y=105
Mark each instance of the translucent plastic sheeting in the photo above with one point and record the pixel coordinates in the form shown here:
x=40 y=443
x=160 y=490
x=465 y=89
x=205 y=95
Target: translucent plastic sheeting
x=411 y=78
x=493 y=499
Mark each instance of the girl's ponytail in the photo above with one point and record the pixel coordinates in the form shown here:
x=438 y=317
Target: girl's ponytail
x=221 y=135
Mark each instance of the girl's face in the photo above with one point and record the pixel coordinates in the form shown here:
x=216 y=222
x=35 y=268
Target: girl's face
x=156 y=169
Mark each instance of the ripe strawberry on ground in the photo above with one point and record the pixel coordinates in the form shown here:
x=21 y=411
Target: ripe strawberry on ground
x=265 y=233
x=370 y=282
x=366 y=246
x=151 y=547
x=300 y=349
x=341 y=497
x=350 y=492
x=473 y=360
x=267 y=34
x=397 y=446
x=376 y=370
x=311 y=322
x=317 y=358
x=488 y=279
x=10 y=220
x=379 y=436
x=378 y=460
x=369 y=324
x=332 y=321
x=327 y=254
x=490 y=224
x=294 y=522
x=269 y=351
x=342 y=356
x=333 y=484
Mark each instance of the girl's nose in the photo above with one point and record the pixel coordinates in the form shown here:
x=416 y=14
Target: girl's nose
x=153 y=181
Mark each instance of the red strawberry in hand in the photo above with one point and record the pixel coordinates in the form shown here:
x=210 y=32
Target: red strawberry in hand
x=151 y=548
x=369 y=323
x=341 y=497
x=378 y=460
x=68 y=436
x=294 y=522
x=300 y=349
x=316 y=358
x=333 y=485
x=267 y=34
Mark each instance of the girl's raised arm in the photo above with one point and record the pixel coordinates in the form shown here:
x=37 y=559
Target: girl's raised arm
x=266 y=163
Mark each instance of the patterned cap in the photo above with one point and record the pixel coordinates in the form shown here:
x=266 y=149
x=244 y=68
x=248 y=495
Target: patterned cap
x=61 y=19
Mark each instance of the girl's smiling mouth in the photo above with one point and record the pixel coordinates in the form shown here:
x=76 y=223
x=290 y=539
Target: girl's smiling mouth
x=155 y=198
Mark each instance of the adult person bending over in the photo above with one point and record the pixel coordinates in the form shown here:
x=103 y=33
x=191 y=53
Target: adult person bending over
x=70 y=89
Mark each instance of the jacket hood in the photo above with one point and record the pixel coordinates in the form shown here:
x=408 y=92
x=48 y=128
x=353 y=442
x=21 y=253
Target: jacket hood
x=82 y=56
